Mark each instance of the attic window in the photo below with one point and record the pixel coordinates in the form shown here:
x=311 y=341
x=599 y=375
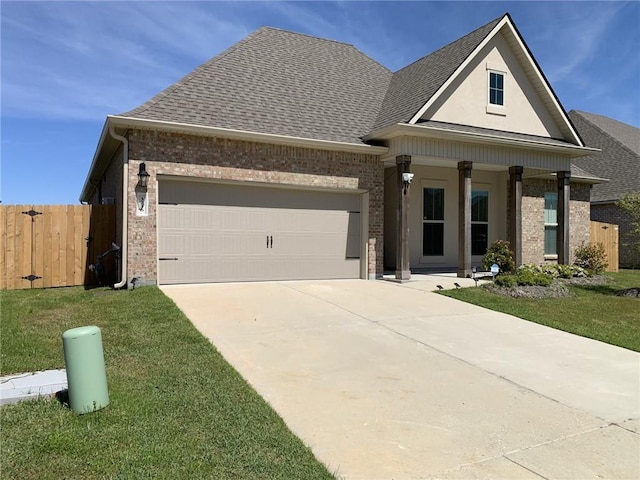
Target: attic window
x=496 y=88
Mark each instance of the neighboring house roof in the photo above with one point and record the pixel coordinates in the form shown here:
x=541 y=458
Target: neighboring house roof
x=415 y=84
x=619 y=159
x=282 y=83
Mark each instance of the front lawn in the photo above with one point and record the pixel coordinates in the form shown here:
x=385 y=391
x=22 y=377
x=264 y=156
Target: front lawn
x=178 y=410
x=592 y=311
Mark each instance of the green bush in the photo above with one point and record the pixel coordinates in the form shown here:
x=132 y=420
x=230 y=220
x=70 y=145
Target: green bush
x=527 y=277
x=506 y=281
x=557 y=270
x=499 y=252
x=530 y=268
x=591 y=257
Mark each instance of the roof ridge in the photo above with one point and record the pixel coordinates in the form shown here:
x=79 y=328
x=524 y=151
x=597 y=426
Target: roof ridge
x=308 y=35
x=597 y=127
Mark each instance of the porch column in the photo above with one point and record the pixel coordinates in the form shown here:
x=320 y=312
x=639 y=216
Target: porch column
x=515 y=212
x=563 y=217
x=403 y=272
x=464 y=219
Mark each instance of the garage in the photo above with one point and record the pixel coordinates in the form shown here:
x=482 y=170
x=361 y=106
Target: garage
x=217 y=232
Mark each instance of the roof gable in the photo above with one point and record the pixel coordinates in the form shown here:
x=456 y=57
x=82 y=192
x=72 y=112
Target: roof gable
x=418 y=87
x=619 y=158
x=281 y=83
x=412 y=85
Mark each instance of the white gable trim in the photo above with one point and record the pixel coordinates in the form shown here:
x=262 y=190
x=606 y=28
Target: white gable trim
x=539 y=76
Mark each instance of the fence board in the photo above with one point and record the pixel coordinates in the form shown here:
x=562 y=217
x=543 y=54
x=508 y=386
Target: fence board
x=607 y=235
x=26 y=244
x=77 y=250
x=47 y=259
x=53 y=245
x=10 y=253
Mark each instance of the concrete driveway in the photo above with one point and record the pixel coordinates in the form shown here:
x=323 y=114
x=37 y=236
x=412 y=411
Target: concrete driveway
x=388 y=381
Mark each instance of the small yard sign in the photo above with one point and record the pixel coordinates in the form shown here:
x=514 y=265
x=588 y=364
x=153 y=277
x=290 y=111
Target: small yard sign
x=495 y=269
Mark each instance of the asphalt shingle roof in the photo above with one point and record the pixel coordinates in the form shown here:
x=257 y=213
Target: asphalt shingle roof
x=279 y=82
x=619 y=160
x=497 y=133
x=412 y=86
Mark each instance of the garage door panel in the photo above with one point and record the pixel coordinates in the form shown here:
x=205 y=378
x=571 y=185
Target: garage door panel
x=237 y=233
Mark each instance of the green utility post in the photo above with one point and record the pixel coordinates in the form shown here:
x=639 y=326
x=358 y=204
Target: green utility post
x=86 y=375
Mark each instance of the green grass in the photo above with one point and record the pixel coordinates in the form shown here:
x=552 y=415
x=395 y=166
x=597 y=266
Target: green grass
x=177 y=410
x=592 y=311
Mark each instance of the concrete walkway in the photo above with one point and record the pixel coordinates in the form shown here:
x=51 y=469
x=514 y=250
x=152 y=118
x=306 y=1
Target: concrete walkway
x=389 y=381
x=29 y=386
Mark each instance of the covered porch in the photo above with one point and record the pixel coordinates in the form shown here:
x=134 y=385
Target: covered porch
x=449 y=194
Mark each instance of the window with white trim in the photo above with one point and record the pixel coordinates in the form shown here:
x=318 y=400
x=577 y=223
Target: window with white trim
x=496 y=88
x=479 y=222
x=550 y=223
x=433 y=222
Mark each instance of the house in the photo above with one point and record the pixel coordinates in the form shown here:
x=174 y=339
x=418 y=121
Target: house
x=618 y=161
x=294 y=157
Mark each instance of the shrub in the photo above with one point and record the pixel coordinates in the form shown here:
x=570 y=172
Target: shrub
x=530 y=267
x=578 y=271
x=499 y=252
x=591 y=257
x=506 y=281
x=526 y=277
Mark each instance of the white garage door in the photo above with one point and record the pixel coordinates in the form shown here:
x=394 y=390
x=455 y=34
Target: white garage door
x=212 y=232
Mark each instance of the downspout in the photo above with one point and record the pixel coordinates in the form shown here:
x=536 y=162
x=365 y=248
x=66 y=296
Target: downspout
x=125 y=206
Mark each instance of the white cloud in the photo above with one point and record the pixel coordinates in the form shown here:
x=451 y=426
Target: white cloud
x=82 y=61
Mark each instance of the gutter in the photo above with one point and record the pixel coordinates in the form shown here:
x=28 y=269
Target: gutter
x=125 y=206
x=132 y=122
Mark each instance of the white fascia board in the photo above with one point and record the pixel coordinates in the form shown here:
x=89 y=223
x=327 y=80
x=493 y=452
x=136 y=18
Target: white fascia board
x=405 y=129
x=458 y=71
x=87 y=184
x=246 y=135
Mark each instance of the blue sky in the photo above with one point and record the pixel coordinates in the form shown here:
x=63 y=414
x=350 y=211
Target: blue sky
x=66 y=65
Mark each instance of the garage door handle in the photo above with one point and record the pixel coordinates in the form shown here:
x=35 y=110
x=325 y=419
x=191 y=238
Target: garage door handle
x=269 y=241
x=271 y=244
x=168 y=258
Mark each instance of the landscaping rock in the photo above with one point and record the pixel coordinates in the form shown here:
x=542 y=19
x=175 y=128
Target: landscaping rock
x=629 y=292
x=555 y=290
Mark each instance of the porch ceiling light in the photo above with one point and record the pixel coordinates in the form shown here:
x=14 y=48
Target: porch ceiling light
x=143 y=176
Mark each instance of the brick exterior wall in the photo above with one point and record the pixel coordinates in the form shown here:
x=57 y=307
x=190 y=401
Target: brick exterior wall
x=610 y=213
x=533 y=191
x=224 y=159
x=111 y=187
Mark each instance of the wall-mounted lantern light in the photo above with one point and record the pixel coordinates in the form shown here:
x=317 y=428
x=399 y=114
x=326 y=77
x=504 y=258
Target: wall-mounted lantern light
x=141 y=191
x=143 y=176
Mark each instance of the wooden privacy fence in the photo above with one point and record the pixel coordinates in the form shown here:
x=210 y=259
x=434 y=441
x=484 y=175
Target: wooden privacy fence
x=52 y=245
x=607 y=235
